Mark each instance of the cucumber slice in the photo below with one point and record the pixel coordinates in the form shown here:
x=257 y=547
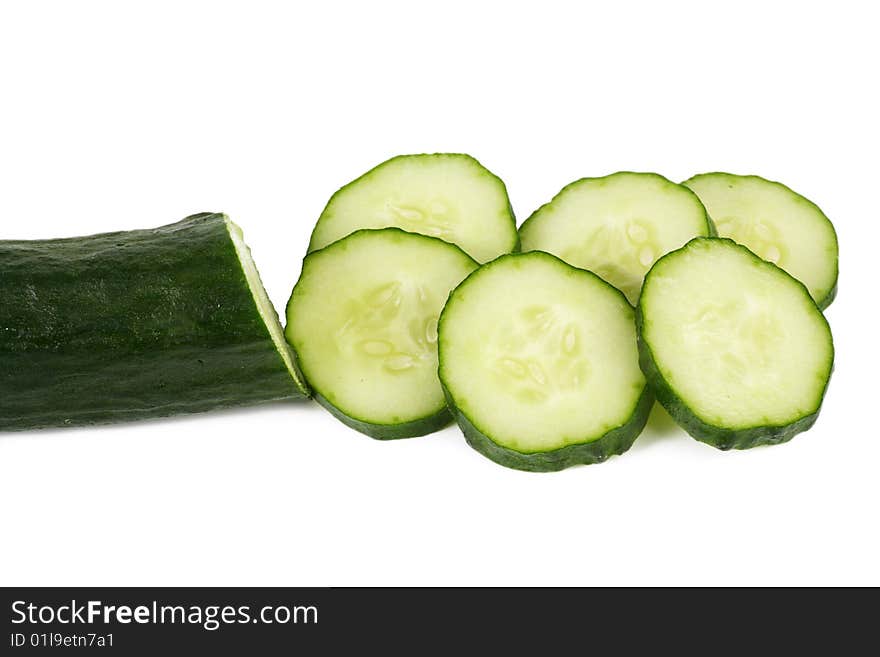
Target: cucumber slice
x=446 y=195
x=777 y=224
x=616 y=226
x=136 y=325
x=539 y=364
x=735 y=348
x=364 y=313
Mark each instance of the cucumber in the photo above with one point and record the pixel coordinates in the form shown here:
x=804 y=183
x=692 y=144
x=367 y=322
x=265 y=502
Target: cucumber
x=617 y=226
x=446 y=195
x=135 y=325
x=735 y=349
x=363 y=319
x=777 y=224
x=539 y=365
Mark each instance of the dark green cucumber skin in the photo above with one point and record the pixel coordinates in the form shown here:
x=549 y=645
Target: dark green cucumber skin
x=129 y=326
x=420 y=427
x=615 y=442
x=721 y=437
x=517 y=246
x=829 y=298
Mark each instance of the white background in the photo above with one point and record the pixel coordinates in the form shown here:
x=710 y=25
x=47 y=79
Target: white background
x=128 y=115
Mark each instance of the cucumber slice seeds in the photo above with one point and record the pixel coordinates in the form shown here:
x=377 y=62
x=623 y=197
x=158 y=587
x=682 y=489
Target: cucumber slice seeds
x=447 y=195
x=777 y=224
x=617 y=226
x=539 y=363
x=364 y=313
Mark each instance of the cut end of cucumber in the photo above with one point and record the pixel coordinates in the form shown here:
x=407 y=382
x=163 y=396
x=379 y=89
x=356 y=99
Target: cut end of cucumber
x=537 y=356
x=264 y=305
x=617 y=226
x=736 y=348
x=775 y=223
x=450 y=196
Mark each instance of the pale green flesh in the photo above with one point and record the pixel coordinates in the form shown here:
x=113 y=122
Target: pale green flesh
x=448 y=196
x=738 y=340
x=539 y=355
x=363 y=320
x=264 y=305
x=777 y=224
x=616 y=226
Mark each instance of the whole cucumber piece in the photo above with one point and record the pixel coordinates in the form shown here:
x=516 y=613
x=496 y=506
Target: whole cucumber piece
x=138 y=324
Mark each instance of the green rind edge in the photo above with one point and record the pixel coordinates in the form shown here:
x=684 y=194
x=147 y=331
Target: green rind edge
x=614 y=442
x=617 y=441
x=829 y=297
x=719 y=437
x=299 y=380
x=517 y=246
x=412 y=429
x=711 y=231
